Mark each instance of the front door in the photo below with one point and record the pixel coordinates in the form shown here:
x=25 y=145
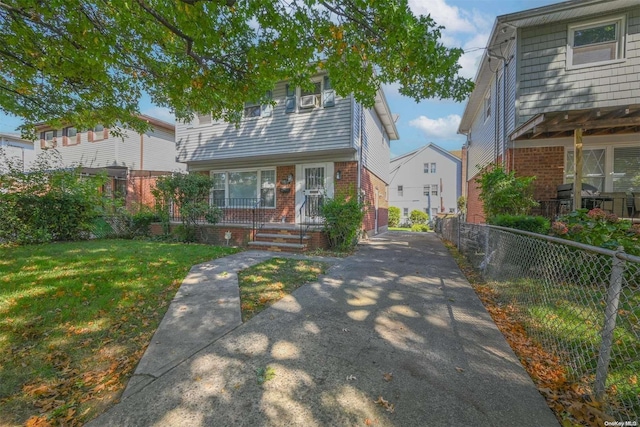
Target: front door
x=314 y=191
x=314 y=183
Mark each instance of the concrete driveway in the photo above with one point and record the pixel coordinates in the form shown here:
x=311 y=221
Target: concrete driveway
x=396 y=323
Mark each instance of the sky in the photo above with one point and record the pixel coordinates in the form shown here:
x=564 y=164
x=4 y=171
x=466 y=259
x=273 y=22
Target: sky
x=468 y=24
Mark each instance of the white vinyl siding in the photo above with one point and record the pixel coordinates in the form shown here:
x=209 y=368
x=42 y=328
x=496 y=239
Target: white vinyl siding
x=376 y=148
x=307 y=131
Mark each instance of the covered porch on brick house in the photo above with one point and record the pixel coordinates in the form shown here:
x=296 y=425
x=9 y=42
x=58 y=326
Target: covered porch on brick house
x=598 y=147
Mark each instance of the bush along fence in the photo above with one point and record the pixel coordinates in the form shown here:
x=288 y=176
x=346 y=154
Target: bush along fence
x=580 y=302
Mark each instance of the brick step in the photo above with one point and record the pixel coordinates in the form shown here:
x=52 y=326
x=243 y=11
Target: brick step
x=278 y=246
x=264 y=237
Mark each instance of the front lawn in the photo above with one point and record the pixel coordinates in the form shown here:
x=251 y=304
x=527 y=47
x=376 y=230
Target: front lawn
x=263 y=284
x=75 y=318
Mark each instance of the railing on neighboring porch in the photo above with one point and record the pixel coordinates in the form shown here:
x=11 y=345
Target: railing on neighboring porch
x=621 y=204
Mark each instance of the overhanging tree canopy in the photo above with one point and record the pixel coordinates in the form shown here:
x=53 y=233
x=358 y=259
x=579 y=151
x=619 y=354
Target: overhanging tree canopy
x=89 y=61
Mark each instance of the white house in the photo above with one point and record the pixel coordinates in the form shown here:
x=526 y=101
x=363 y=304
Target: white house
x=427 y=179
x=16 y=147
x=289 y=156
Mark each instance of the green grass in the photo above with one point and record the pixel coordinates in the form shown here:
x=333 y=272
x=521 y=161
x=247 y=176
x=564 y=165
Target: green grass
x=263 y=284
x=75 y=318
x=399 y=228
x=568 y=319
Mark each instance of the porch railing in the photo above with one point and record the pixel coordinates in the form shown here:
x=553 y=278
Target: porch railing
x=243 y=210
x=623 y=206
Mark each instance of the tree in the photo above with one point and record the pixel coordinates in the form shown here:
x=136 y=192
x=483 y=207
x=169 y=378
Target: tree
x=394 y=216
x=188 y=194
x=503 y=192
x=418 y=217
x=87 y=62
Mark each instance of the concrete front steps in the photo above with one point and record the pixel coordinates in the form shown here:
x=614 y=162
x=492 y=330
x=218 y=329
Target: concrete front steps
x=282 y=238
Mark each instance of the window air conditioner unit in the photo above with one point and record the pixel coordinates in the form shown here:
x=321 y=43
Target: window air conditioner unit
x=309 y=101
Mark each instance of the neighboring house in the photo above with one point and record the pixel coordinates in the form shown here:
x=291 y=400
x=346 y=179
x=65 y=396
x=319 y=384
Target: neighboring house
x=427 y=179
x=556 y=81
x=16 y=147
x=132 y=161
x=293 y=154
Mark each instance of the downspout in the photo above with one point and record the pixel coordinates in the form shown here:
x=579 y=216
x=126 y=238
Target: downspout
x=361 y=119
x=141 y=151
x=496 y=124
x=504 y=114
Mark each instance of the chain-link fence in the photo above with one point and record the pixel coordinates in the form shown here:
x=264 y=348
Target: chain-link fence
x=581 y=303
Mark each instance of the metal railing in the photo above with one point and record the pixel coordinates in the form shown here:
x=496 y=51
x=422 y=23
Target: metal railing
x=623 y=206
x=310 y=213
x=244 y=210
x=580 y=302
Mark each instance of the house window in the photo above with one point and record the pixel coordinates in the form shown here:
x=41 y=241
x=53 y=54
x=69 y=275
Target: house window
x=204 y=119
x=425 y=167
x=48 y=138
x=312 y=98
x=452 y=210
x=626 y=169
x=593 y=168
x=434 y=190
x=405 y=211
x=257 y=108
x=433 y=168
x=400 y=190
x=240 y=188
x=98 y=132
x=425 y=190
x=71 y=132
x=252 y=110
x=487 y=105
x=596 y=42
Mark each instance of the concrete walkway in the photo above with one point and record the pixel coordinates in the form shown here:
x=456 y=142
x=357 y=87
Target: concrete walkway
x=396 y=323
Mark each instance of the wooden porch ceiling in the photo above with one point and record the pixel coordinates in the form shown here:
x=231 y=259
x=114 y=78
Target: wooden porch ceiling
x=595 y=121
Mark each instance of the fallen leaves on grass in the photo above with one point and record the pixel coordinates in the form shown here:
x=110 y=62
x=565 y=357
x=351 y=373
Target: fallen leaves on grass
x=389 y=407
x=388 y=376
x=571 y=403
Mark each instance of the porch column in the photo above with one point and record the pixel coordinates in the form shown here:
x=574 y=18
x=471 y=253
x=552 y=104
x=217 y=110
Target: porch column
x=577 y=169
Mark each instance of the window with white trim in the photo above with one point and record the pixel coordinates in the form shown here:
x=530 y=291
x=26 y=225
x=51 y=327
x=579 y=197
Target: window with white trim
x=240 y=188
x=425 y=167
x=405 y=211
x=400 y=190
x=425 y=190
x=433 y=168
x=487 y=104
x=608 y=168
x=258 y=108
x=596 y=42
x=434 y=190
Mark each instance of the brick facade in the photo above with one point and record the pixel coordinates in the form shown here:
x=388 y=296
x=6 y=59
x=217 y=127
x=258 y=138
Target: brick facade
x=370 y=183
x=545 y=163
x=285 y=194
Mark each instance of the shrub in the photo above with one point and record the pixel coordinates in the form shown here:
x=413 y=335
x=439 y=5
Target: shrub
x=504 y=193
x=421 y=228
x=48 y=203
x=188 y=193
x=394 y=216
x=418 y=217
x=343 y=217
x=598 y=228
x=534 y=224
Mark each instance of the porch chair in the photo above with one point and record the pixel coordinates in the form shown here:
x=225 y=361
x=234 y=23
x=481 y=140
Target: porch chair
x=617 y=204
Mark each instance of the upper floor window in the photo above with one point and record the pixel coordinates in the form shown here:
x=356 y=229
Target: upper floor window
x=596 y=42
x=319 y=95
x=48 y=139
x=433 y=168
x=425 y=167
x=487 y=105
x=98 y=133
x=434 y=190
x=425 y=190
x=400 y=190
x=257 y=109
x=204 y=119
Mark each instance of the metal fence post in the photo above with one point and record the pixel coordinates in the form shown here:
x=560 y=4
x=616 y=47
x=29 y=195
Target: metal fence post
x=610 y=316
x=459 y=224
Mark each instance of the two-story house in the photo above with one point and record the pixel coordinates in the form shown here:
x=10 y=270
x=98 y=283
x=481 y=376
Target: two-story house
x=290 y=155
x=18 y=148
x=559 y=86
x=131 y=160
x=427 y=179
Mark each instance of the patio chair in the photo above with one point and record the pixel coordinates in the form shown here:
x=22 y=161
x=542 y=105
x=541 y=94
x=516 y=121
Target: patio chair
x=617 y=204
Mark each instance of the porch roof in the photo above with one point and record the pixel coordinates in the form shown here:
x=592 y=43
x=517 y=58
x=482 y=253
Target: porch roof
x=593 y=121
